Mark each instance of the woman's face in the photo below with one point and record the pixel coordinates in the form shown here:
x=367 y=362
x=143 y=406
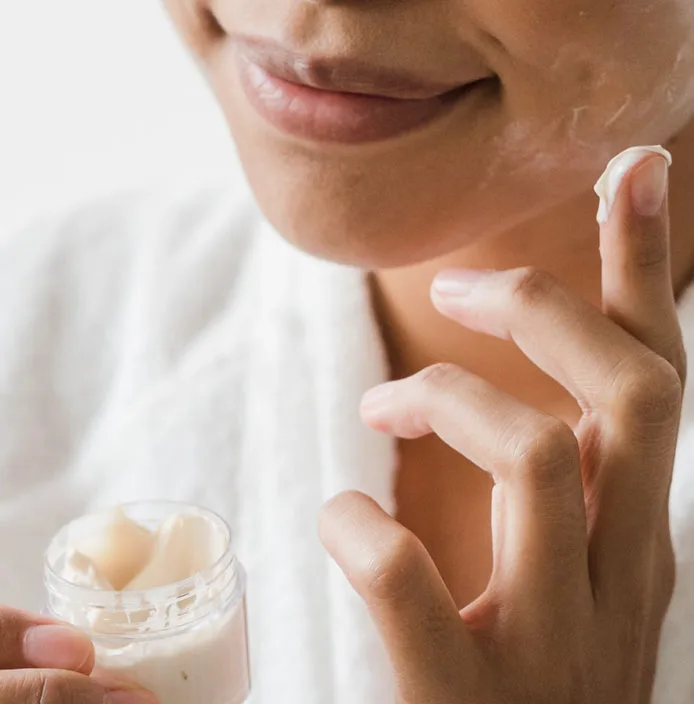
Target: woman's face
x=493 y=109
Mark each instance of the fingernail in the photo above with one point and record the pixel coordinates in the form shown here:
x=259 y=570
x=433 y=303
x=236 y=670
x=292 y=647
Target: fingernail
x=130 y=696
x=123 y=691
x=608 y=185
x=649 y=186
x=377 y=397
x=458 y=282
x=57 y=648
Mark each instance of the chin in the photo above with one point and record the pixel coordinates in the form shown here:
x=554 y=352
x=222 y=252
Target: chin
x=381 y=241
x=378 y=208
x=383 y=213
x=369 y=228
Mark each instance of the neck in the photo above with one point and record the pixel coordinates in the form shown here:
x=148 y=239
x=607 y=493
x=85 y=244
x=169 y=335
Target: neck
x=563 y=242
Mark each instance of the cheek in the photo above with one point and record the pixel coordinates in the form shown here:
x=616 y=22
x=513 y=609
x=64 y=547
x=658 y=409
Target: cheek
x=196 y=25
x=617 y=72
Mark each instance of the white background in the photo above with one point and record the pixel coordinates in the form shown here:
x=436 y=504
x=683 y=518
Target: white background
x=97 y=95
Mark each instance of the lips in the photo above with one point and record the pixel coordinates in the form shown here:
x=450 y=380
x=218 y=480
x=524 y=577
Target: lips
x=340 y=99
x=342 y=74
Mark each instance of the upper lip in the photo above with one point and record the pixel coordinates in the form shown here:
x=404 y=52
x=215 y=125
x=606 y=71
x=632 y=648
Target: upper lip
x=340 y=74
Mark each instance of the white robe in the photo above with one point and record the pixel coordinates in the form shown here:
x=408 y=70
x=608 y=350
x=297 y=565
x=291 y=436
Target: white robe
x=172 y=346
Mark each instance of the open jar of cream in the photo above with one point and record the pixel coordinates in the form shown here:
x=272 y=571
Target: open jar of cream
x=161 y=594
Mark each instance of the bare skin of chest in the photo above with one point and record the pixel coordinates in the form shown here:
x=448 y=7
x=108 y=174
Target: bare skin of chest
x=445 y=501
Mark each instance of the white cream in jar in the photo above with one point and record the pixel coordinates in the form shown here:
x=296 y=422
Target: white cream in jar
x=160 y=592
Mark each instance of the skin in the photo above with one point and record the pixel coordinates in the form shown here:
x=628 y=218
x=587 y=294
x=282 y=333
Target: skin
x=503 y=184
x=42 y=661
x=560 y=375
x=581 y=80
x=582 y=566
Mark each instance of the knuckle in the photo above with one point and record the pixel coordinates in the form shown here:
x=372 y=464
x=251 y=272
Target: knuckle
x=630 y=626
x=531 y=285
x=667 y=577
x=10 y=636
x=649 y=251
x=665 y=569
x=32 y=687
x=52 y=687
x=679 y=361
x=544 y=453
x=439 y=377
x=23 y=686
x=649 y=392
x=389 y=571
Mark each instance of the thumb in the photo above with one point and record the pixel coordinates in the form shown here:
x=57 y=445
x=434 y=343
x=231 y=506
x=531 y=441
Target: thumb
x=28 y=641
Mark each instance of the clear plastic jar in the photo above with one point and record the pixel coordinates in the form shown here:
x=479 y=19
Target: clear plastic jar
x=186 y=642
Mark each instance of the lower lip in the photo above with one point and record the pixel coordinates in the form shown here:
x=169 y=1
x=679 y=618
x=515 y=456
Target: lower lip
x=327 y=116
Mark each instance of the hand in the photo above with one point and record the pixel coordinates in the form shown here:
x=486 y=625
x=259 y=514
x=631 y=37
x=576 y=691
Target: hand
x=43 y=662
x=583 y=564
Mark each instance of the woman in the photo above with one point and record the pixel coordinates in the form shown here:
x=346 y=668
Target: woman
x=185 y=352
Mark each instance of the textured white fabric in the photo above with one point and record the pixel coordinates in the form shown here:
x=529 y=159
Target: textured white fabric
x=175 y=347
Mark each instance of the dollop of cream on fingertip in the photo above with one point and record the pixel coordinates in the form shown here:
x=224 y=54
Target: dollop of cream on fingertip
x=608 y=184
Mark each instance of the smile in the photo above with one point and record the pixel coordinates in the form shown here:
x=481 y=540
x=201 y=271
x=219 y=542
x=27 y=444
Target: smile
x=341 y=100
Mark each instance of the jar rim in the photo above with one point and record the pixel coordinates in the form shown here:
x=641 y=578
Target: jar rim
x=226 y=567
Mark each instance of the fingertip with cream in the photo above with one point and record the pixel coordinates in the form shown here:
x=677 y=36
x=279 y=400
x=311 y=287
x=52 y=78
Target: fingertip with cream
x=608 y=184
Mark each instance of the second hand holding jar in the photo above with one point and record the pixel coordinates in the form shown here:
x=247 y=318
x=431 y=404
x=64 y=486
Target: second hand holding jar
x=158 y=589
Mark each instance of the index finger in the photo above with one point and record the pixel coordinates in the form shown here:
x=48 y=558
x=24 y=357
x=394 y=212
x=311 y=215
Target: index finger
x=28 y=641
x=635 y=250
x=638 y=295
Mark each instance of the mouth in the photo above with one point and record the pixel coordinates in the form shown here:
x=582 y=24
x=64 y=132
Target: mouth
x=340 y=99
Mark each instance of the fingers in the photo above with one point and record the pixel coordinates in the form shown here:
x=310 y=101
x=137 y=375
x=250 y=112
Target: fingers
x=60 y=687
x=628 y=393
x=635 y=249
x=638 y=295
x=62 y=656
x=533 y=457
x=560 y=332
x=27 y=640
x=393 y=573
x=625 y=369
